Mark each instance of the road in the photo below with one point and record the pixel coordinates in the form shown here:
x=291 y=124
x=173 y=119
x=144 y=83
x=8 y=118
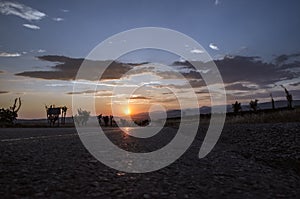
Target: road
x=249 y=161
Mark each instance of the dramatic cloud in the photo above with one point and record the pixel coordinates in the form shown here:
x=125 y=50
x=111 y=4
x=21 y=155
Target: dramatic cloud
x=4 y=92
x=68 y=67
x=213 y=46
x=241 y=75
x=57 y=19
x=5 y=54
x=31 y=26
x=253 y=70
x=283 y=58
x=246 y=73
x=197 y=51
x=20 y=10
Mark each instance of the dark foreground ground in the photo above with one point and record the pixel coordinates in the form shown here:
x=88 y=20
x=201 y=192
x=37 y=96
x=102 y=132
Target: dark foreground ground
x=249 y=161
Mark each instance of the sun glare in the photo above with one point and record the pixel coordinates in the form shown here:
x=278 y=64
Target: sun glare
x=127 y=111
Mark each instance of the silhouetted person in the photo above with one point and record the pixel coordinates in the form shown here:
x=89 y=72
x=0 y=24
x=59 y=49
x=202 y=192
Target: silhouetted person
x=289 y=98
x=106 y=120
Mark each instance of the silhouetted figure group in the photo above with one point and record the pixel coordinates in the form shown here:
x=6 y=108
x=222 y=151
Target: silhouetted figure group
x=82 y=117
x=106 y=120
x=53 y=114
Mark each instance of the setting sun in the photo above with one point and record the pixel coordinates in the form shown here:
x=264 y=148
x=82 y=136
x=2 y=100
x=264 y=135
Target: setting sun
x=127 y=111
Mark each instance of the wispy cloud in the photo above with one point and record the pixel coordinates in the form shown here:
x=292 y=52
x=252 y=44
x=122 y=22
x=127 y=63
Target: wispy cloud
x=217 y=2
x=31 y=26
x=5 y=54
x=20 y=10
x=82 y=92
x=41 y=51
x=139 y=98
x=197 y=51
x=57 y=19
x=213 y=46
x=65 y=10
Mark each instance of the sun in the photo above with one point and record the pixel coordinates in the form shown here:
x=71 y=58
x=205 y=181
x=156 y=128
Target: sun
x=128 y=111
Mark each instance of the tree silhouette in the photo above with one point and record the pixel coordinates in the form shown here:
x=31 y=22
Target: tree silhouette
x=289 y=98
x=9 y=115
x=64 y=113
x=236 y=107
x=253 y=105
x=273 y=102
x=111 y=119
x=82 y=117
x=106 y=120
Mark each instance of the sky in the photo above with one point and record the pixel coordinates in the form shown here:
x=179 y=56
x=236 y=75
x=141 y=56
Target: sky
x=255 y=45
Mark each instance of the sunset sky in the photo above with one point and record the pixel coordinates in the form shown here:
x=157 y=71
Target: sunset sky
x=255 y=45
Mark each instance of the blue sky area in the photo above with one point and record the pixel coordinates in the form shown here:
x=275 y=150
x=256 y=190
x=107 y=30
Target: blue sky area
x=267 y=29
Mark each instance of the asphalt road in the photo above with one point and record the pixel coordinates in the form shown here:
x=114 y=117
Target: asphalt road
x=249 y=161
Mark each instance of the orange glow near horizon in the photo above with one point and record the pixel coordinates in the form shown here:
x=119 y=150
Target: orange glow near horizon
x=127 y=111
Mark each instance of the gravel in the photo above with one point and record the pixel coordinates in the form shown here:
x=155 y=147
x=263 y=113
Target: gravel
x=249 y=161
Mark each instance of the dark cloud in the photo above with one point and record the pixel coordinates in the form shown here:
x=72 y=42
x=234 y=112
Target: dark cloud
x=82 y=92
x=234 y=69
x=67 y=68
x=239 y=86
x=283 y=58
x=295 y=84
x=250 y=69
x=139 y=98
x=103 y=93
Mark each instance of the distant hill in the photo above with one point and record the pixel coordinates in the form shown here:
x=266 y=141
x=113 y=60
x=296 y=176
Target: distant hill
x=207 y=109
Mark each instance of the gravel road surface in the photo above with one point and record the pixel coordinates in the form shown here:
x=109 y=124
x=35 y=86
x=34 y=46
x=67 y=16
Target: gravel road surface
x=249 y=161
